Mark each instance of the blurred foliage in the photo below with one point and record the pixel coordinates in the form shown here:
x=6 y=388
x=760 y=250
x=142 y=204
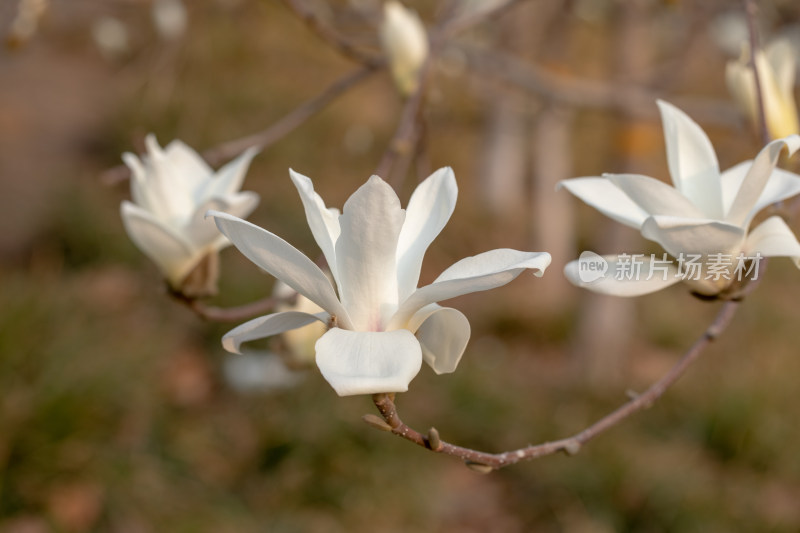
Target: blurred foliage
x=114 y=415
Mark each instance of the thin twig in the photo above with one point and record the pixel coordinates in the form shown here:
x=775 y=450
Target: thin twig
x=582 y=93
x=405 y=137
x=459 y=24
x=571 y=445
x=270 y=135
x=230 y=314
x=343 y=45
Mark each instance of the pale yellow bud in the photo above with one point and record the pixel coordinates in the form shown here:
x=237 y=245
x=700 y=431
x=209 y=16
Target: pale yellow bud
x=405 y=44
x=776 y=73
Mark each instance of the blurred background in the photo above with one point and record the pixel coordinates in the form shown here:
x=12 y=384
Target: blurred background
x=115 y=410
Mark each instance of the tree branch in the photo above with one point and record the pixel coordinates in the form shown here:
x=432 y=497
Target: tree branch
x=270 y=135
x=485 y=462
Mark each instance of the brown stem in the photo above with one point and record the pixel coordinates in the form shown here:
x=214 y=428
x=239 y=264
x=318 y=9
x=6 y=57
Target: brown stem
x=270 y=135
x=571 y=445
x=343 y=45
x=230 y=314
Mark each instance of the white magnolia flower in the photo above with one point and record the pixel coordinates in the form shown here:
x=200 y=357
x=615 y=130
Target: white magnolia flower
x=776 y=72
x=383 y=326
x=706 y=212
x=172 y=189
x=299 y=342
x=405 y=44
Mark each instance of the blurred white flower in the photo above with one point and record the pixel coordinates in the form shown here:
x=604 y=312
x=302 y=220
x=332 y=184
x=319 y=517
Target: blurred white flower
x=170 y=18
x=706 y=212
x=776 y=66
x=172 y=189
x=382 y=325
x=111 y=37
x=405 y=43
x=259 y=372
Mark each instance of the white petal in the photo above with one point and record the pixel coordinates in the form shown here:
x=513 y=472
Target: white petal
x=266 y=326
x=443 y=333
x=428 y=211
x=359 y=362
x=781 y=185
x=366 y=254
x=324 y=223
x=679 y=235
x=472 y=274
x=654 y=196
x=239 y=205
x=692 y=162
x=782 y=59
x=773 y=238
x=731 y=180
x=229 y=178
x=169 y=188
x=191 y=166
x=607 y=198
x=755 y=181
x=283 y=261
x=172 y=254
x=651 y=276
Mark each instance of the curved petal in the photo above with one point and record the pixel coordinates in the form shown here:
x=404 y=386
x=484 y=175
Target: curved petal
x=366 y=254
x=692 y=162
x=654 y=196
x=755 y=181
x=607 y=198
x=202 y=232
x=472 y=274
x=172 y=254
x=266 y=326
x=169 y=188
x=731 y=181
x=781 y=185
x=624 y=276
x=443 y=333
x=188 y=163
x=283 y=261
x=359 y=362
x=679 y=235
x=239 y=205
x=323 y=222
x=229 y=178
x=773 y=238
x=428 y=211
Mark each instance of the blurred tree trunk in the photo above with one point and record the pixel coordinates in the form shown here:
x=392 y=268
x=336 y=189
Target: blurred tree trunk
x=607 y=324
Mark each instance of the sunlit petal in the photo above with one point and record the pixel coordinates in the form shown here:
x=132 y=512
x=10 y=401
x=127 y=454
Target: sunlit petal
x=654 y=196
x=678 y=235
x=773 y=238
x=366 y=254
x=358 y=362
x=692 y=161
x=607 y=198
x=427 y=213
x=283 y=261
x=621 y=280
x=323 y=222
x=443 y=333
x=266 y=326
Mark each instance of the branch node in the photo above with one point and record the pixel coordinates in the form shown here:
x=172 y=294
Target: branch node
x=479 y=467
x=433 y=440
x=572 y=447
x=376 y=422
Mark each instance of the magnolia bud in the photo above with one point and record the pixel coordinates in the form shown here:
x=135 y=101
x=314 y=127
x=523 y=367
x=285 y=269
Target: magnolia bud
x=405 y=44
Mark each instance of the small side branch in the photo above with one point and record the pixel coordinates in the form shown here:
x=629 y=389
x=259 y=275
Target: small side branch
x=486 y=462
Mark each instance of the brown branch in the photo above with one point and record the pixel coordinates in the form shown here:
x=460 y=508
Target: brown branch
x=459 y=24
x=230 y=314
x=270 y=135
x=343 y=45
x=582 y=93
x=486 y=462
x=408 y=130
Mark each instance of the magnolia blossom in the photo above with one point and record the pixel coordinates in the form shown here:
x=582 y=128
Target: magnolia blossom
x=405 y=44
x=172 y=189
x=706 y=213
x=382 y=324
x=299 y=342
x=776 y=73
